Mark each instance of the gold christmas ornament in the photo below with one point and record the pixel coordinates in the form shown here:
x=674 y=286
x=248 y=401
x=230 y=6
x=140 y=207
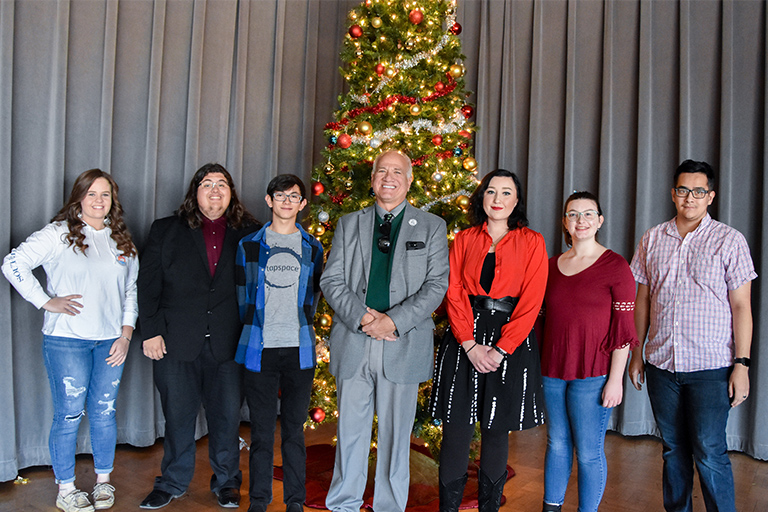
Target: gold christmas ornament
x=415 y=109
x=364 y=127
x=328 y=168
x=462 y=201
x=470 y=164
x=390 y=72
x=456 y=71
x=376 y=22
x=391 y=108
x=326 y=320
x=318 y=230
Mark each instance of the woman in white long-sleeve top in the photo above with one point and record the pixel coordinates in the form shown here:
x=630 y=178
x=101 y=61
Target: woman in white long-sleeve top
x=90 y=311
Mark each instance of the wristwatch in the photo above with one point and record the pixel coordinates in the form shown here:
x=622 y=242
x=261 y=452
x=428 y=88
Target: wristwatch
x=742 y=360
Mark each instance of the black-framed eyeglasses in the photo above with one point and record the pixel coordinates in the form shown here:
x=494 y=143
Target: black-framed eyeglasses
x=280 y=197
x=698 y=192
x=385 y=228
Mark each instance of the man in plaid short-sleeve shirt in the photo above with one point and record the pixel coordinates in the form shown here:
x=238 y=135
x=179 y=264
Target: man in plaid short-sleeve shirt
x=694 y=279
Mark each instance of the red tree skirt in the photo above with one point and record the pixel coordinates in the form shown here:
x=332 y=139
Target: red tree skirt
x=422 y=493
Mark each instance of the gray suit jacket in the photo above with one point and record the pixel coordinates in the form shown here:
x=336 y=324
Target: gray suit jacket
x=418 y=283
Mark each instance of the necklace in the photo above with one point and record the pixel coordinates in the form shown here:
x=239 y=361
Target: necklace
x=495 y=242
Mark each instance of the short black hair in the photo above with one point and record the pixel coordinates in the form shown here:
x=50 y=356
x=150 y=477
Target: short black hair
x=283 y=182
x=477 y=215
x=692 y=166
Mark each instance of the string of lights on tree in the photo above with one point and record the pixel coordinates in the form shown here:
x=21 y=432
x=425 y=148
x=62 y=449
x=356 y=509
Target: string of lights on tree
x=404 y=70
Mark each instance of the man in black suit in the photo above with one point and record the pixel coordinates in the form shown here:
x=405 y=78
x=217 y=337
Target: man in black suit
x=191 y=325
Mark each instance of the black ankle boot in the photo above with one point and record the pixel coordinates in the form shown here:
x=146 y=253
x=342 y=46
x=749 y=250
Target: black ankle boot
x=489 y=493
x=551 y=508
x=451 y=494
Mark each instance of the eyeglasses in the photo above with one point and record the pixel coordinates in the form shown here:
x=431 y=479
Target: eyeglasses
x=589 y=215
x=208 y=185
x=385 y=228
x=280 y=197
x=698 y=192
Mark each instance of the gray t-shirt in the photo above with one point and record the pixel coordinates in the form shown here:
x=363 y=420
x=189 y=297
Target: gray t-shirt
x=281 y=290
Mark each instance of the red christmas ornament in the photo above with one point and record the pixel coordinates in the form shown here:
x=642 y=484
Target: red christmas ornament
x=380 y=68
x=355 y=31
x=439 y=86
x=318 y=188
x=455 y=29
x=437 y=140
x=344 y=140
x=465 y=134
x=317 y=414
x=468 y=111
x=416 y=16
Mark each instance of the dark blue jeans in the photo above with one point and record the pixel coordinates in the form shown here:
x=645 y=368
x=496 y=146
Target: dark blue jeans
x=280 y=376
x=691 y=411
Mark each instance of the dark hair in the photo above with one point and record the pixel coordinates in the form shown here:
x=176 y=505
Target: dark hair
x=283 y=182
x=477 y=215
x=692 y=166
x=237 y=215
x=573 y=197
x=72 y=211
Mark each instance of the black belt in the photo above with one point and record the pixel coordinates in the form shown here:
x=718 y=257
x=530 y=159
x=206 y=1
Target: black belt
x=502 y=305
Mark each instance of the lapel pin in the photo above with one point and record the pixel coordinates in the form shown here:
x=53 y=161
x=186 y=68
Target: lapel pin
x=412 y=222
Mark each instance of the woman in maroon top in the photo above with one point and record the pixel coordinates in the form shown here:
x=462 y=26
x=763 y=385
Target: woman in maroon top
x=588 y=331
x=488 y=368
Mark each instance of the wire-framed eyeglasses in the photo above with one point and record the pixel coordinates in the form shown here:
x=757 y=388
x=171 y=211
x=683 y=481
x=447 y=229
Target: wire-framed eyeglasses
x=589 y=215
x=280 y=197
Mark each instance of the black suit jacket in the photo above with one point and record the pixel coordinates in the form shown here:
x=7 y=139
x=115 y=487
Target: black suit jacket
x=178 y=298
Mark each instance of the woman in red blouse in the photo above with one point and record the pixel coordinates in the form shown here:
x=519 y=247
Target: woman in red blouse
x=588 y=331
x=487 y=368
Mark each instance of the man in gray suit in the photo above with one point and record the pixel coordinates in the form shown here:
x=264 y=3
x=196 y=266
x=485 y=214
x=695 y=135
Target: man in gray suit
x=386 y=273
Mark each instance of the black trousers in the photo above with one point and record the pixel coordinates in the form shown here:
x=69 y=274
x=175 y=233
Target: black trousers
x=183 y=386
x=280 y=372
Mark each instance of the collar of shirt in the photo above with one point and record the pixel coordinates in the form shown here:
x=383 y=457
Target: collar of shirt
x=394 y=211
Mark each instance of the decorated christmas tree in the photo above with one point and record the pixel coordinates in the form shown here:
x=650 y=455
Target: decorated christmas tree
x=404 y=70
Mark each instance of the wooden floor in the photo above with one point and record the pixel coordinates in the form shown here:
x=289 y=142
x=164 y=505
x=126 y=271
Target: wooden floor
x=634 y=478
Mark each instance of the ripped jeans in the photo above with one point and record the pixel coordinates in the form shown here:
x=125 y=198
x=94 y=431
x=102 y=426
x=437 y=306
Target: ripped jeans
x=78 y=374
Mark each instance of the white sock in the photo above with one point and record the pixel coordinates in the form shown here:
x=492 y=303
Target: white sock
x=65 y=489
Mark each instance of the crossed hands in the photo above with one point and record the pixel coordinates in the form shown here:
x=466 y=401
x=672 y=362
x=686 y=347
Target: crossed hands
x=378 y=325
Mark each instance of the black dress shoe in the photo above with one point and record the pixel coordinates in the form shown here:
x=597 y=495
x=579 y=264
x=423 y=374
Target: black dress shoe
x=158 y=499
x=294 y=507
x=229 y=498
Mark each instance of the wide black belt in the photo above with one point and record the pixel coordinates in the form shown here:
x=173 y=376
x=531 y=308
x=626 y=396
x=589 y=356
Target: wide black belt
x=484 y=303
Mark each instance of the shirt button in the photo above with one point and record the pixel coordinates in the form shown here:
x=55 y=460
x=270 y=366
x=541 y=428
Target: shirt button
x=214 y=246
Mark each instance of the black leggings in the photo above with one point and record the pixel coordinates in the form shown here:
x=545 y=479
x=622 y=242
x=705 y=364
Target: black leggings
x=454 y=453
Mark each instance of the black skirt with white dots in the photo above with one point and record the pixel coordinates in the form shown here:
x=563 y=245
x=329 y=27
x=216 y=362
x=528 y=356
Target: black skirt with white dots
x=511 y=398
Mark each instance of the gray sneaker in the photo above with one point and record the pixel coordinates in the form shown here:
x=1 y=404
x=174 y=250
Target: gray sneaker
x=103 y=496
x=75 y=501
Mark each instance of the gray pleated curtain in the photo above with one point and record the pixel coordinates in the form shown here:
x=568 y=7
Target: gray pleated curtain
x=607 y=96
